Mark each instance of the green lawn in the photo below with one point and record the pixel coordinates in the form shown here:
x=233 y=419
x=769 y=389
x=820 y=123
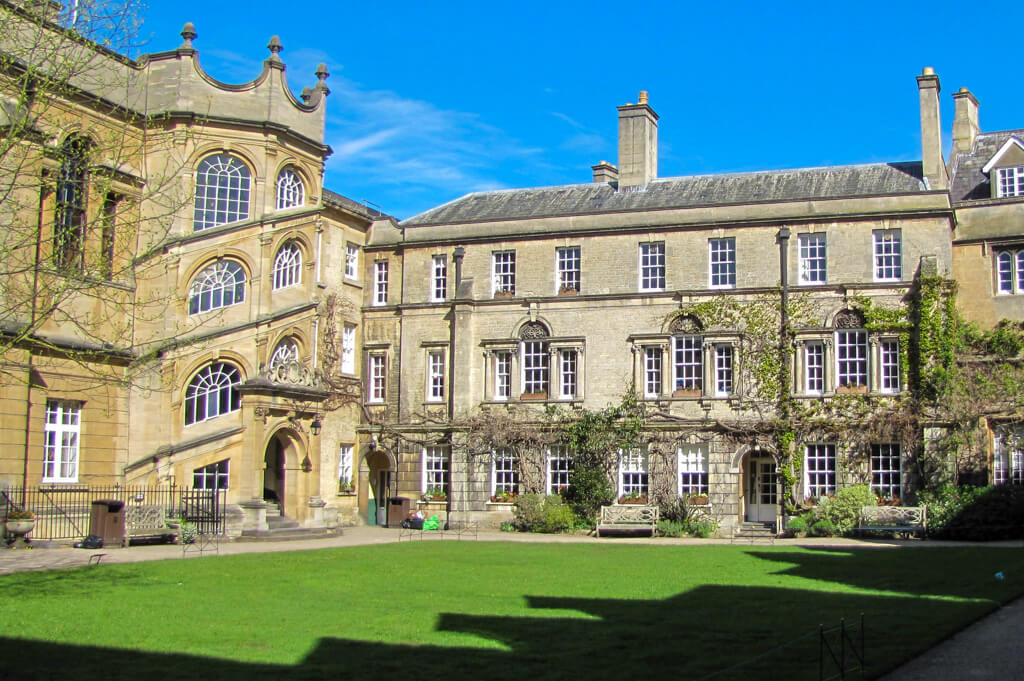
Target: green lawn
x=484 y=610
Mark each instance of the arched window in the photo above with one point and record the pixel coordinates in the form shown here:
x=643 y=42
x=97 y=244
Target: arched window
x=287 y=265
x=69 y=227
x=222 y=191
x=212 y=392
x=286 y=351
x=534 y=339
x=218 y=285
x=290 y=192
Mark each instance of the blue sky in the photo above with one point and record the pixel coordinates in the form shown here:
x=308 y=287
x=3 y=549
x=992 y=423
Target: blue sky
x=431 y=101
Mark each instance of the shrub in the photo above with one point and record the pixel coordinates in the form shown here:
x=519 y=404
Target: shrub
x=703 y=528
x=540 y=513
x=507 y=526
x=528 y=512
x=671 y=528
x=189 y=532
x=843 y=510
x=946 y=502
x=675 y=510
x=589 y=490
x=558 y=517
x=797 y=526
x=823 y=528
x=986 y=514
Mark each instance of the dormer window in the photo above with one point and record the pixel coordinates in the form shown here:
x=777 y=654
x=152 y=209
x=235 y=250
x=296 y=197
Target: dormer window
x=1006 y=170
x=1010 y=182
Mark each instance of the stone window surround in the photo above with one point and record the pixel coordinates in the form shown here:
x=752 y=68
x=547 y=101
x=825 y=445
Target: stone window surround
x=827 y=339
x=62 y=436
x=514 y=348
x=709 y=342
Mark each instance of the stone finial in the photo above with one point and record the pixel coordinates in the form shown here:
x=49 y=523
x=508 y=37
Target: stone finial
x=188 y=33
x=321 y=73
x=306 y=95
x=275 y=47
x=928 y=71
x=643 y=97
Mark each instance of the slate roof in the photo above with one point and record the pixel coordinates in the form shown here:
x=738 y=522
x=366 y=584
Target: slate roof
x=348 y=204
x=968 y=182
x=680 y=192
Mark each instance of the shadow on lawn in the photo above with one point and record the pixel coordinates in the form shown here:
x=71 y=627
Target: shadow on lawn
x=620 y=640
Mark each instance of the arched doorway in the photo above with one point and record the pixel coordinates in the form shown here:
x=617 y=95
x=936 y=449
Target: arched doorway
x=379 y=471
x=281 y=457
x=761 y=487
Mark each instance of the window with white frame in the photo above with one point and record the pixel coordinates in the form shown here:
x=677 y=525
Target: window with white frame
x=217 y=285
x=888 y=255
x=723 y=370
x=439 y=278
x=1010 y=181
x=212 y=477
x=222 y=191
x=559 y=468
x=886 y=469
x=814 y=368
x=568 y=262
x=1009 y=272
x=503 y=273
x=502 y=375
x=812 y=258
x=504 y=475
x=290 y=192
x=652 y=371
x=567 y=379
x=287 y=350
x=688 y=362
x=819 y=470
x=633 y=475
x=851 y=358
x=535 y=367
x=722 y=261
x=435 y=470
x=61 y=435
x=435 y=375
x=693 y=470
x=889 y=361
x=212 y=392
x=351 y=261
x=380 y=282
x=287 y=266
x=377 y=377
x=652 y=266
x=346 y=463
x=1008 y=457
x=348 y=349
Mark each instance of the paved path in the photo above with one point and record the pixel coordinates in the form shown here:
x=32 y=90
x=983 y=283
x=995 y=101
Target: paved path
x=988 y=649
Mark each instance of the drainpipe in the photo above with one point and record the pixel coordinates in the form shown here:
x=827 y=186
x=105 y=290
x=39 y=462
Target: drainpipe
x=458 y=254
x=784 y=377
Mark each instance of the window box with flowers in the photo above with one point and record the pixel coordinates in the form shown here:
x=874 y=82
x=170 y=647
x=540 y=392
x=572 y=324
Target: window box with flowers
x=435 y=494
x=697 y=499
x=851 y=389
x=568 y=291
x=346 y=487
x=634 y=498
x=534 y=396
x=504 y=497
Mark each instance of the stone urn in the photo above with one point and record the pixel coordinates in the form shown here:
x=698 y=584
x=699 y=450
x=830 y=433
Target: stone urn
x=17 y=528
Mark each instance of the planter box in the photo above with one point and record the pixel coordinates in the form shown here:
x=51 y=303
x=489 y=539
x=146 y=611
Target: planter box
x=686 y=392
x=504 y=294
x=852 y=390
x=697 y=500
x=640 y=501
x=567 y=292
x=533 y=396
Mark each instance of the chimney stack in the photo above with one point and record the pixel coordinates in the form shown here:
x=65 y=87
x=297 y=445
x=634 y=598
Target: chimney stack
x=638 y=143
x=965 y=121
x=933 y=166
x=605 y=172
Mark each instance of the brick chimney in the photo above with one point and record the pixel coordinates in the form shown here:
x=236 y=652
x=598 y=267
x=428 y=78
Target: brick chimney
x=931 y=130
x=638 y=143
x=965 y=121
x=605 y=172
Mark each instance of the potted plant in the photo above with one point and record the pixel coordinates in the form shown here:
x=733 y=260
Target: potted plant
x=435 y=494
x=346 y=487
x=504 y=497
x=697 y=500
x=633 y=498
x=567 y=290
x=20 y=523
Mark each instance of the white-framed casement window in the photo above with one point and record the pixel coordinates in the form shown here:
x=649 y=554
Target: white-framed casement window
x=219 y=284
x=652 y=371
x=652 y=266
x=377 y=375
x=290 y=192
x=502 y=375
x=889 y=364
x=567 y=261
x=886 y=471
x=819 y=470
x=535 y=367
x=559 y=468
x=288 y=266
x=1010 y=182
x=688 y=362
x=633 y=473
x=504 y=474
x=814 y=368
x=1009 y=272
x=439 y=278
x=813 y=262
x=568 y=364
x=722 y=263
x=380 y=282
x=851 y=358
x=346 y=463
x=212 y=392
x=212 y=477
x=888 y=254
x=351 y=262
x=348 y=348
x=1008 y=457
x=61 y=435
x=693 y=470
x=222 y=191
x=723 y=370
x=435 y=469
x=435 y=375
x=503 y=273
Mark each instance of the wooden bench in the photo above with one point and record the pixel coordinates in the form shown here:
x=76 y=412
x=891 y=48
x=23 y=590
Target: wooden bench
x=628 y=518
x=905 y=520
x=149 y=521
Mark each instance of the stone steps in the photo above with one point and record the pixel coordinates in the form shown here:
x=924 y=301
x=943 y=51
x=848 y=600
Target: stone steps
x=751 y=532
x=288 y=534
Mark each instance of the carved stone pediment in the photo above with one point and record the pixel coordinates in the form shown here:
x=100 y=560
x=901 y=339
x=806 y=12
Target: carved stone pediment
x=292 y=373
x=849 y=319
